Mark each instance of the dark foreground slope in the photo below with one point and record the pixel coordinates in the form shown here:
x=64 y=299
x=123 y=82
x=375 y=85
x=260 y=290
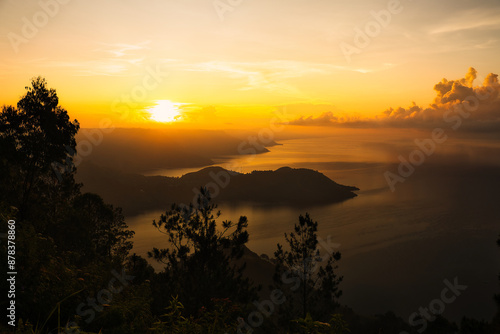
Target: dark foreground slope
x=137 y=193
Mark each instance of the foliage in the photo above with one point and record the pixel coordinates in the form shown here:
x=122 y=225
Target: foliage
x=336 y=325
x=473 y=326
x=95 y=229
x=221 y=320
x=308 y=326
x=29 y=328
x=67 y=243
x=309 y=287
x=33 y=137
x=201 y=260
x=129 y=312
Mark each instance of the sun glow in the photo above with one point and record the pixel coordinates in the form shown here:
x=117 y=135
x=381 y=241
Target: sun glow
x=165 y=111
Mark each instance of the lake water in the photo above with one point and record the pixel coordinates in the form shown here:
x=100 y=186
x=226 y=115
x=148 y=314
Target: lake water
x=397 y=247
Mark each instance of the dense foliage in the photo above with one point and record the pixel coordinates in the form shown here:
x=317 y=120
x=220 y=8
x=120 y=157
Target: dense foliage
x=310 y=287
x=201 y=257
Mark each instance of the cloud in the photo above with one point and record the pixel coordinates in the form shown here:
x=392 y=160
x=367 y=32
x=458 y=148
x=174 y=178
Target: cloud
x=472 y=19
x=326 y=118
x=198 y=114
x=477 y=108
x=106 y=60
x=119 y=50
x=271 y=75
x=448 y=91
x=275 y=76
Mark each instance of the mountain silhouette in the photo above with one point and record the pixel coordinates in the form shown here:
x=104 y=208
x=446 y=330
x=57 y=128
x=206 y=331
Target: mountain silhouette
x=285 y=186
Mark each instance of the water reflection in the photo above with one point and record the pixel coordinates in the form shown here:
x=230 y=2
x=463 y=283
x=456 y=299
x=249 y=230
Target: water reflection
x=397 y=248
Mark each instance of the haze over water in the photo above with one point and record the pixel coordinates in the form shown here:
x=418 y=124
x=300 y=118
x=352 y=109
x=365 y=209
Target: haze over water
x=397 y=247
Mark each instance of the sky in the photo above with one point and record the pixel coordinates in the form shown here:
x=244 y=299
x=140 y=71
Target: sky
x=231 y=63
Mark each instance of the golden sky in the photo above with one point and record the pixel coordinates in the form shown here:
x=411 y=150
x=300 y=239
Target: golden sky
x=229 y=63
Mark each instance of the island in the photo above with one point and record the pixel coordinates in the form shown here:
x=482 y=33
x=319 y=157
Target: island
x=137 y=193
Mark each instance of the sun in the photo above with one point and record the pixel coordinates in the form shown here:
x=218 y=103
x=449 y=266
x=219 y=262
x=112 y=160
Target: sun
x=164 y=111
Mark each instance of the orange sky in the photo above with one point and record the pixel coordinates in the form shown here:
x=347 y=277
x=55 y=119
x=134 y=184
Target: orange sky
x=219 y=65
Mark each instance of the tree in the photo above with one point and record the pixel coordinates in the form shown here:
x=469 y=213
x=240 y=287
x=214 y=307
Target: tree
x=33 y=137
x=105 y=225
x=473 y=326
x=201 y=260
x=67 y=243
x=308 y=287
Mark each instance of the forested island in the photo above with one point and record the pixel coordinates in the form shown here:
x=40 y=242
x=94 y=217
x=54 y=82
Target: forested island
x=286 y=186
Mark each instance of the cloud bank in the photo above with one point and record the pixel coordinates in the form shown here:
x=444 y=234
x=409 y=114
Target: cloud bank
x=457 y=103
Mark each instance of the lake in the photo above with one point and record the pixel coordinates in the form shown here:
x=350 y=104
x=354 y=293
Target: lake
x=397 y=247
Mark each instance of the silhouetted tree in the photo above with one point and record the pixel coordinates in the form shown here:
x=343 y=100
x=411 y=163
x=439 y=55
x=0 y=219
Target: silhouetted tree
x=473 y=326
x=106 y=226
x=201 y=258
x=33 y=137
x=140 y=268
x=67 y=244
x=308 y=286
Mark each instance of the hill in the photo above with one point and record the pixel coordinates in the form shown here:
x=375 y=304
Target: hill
x=137 y=193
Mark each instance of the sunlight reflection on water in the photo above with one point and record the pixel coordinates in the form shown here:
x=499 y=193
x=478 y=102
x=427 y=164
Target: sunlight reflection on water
x=397 y=247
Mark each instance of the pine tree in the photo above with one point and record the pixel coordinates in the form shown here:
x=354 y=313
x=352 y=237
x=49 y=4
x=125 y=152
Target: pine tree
x=201 y=258
x=309 y=287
